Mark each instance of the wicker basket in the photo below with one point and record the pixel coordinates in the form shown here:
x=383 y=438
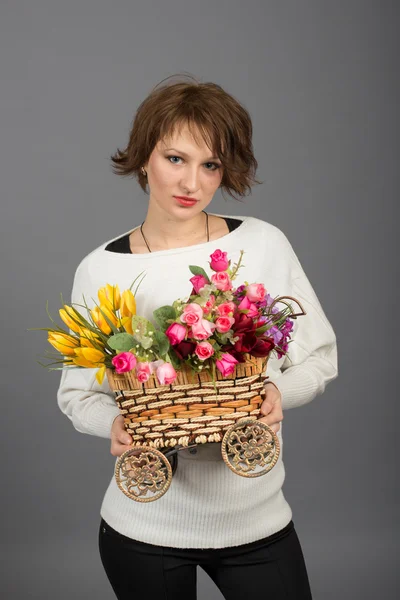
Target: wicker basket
x=163 y=419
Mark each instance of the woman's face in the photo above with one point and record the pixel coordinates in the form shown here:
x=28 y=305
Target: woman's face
x=179 y=167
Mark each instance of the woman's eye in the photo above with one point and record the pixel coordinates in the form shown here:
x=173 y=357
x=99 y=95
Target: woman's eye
x=215 y=165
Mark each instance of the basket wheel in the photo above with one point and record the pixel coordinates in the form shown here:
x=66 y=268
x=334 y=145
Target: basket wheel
x=250 y=448
x=143 y=473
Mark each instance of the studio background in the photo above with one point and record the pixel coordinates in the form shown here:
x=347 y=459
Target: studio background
x=320 y=80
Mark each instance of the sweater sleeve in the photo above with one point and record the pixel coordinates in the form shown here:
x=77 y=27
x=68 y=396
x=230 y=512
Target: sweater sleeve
x=311 y=361
x=89 y=406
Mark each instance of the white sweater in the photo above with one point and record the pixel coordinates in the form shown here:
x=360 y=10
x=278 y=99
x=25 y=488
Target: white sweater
x=207 y=505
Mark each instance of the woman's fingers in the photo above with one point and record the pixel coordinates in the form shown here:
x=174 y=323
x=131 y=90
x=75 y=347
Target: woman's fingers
x=271 y=409
x=120 y=438
x=274 y=426
x=118 y=448
x=274 y=415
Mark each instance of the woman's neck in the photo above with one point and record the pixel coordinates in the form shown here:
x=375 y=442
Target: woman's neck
x=196 y=234
x=163 y=232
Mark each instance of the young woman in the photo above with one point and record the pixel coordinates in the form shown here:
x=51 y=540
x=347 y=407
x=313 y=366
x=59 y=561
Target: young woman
x=189 y=139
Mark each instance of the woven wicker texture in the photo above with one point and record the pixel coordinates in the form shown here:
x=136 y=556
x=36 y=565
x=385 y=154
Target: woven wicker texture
x=189 y=410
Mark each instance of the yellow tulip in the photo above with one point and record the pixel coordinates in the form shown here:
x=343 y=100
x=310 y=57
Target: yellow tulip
x=86 y=343
x=88 y=357
x=68 y=321
x=128 y=304
x=126 y=323
x=110 y=315
x=80 y=361
x=91 y=354
x=62 y=342
x=70 y=316
x=89 y=339
x=100 y=374
x=110 y=297
x=85 y=332
x=100 y=321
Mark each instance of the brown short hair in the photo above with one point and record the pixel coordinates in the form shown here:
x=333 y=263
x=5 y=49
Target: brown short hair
x=224 y=124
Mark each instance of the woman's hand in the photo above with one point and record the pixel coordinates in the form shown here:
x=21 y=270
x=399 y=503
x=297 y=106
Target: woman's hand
x=272 y=407
x=120 y=438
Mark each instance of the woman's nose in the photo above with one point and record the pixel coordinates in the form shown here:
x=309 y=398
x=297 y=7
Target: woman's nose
x=190 y=182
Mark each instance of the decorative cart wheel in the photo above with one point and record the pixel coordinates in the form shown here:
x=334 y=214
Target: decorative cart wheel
x=144 y=473
x=250 y=448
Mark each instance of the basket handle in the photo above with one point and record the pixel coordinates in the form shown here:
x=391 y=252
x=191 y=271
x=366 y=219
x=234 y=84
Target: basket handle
x=293 y=315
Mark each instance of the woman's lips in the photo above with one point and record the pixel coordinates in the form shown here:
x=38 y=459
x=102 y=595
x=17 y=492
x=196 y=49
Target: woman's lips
x=185 y=201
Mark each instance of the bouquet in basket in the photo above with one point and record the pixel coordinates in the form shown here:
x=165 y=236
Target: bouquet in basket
x=214 y=329
x=162 y=372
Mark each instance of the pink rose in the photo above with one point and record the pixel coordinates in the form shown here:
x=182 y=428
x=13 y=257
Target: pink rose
x=124 y=362
x=252 y=308
x=154 y=364
x=255 y=292
x=175 y=333
x=204 y=350
x=223 y=324
x=166 y=373
x=226 y=364
x=222 y=281
x=198 y=281
x=143 y=371
x=225 y=308
x=219 y=261
x=202 y=330
x=192 y=313
x=209 y=304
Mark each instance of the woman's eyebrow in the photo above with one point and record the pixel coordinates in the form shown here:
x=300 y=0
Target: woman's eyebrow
x=187 y=155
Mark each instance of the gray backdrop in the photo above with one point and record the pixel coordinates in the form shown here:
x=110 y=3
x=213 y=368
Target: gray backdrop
x=320 y=81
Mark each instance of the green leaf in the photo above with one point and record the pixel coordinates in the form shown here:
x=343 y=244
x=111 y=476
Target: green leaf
x=59 y=330
x=262 y=329
x=174 y=360
x=199 y=271
x=62 y=368
x=162 y=341
x=142 y=328
x=147 y=342
x=213 y=376
x=121 y=342
x=135 y=292
x=163 y=314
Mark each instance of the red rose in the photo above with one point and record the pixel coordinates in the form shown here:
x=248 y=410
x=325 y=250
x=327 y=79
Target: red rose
x=184 y=349
x=263 y=347
x=243 y=323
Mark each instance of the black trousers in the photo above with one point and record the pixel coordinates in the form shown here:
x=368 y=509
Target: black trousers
x=272 y=567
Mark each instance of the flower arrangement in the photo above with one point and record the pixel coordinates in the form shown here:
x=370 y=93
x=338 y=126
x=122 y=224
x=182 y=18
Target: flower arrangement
x=213 y=328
